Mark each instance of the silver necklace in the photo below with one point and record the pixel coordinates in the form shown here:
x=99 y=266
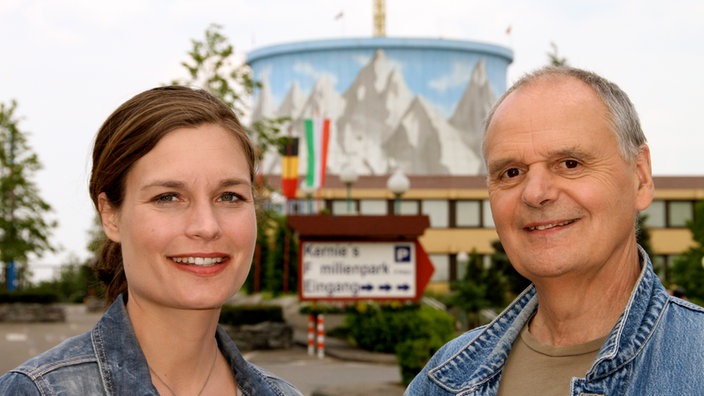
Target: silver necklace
x=212 y=365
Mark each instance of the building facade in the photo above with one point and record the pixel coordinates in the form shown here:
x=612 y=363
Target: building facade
x=416 y=106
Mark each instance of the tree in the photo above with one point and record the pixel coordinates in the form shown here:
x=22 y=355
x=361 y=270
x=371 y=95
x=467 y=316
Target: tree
x=499 y=260
x=480 y=288
x=24 y=229
x=214 y=67
x=688 y=271
x=554 y=57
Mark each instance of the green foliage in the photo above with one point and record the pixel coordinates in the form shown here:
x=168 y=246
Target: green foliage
x=413 y=332
x=237 y=315
x=272 y=237
x=687 y=271
x=214 y=67
x=380 y=328
x=470 y=293
x=554 y=57
x=412 y=355
x=74 y=284
x=643 y=234
x=282 y=246
x=24 y=227
x=515 y=281
x=29 y=296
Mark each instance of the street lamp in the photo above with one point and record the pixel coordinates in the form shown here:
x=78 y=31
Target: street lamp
x=398 y=184
x=348 y=176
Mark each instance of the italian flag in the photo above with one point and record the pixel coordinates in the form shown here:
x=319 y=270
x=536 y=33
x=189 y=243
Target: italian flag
x=317 y=139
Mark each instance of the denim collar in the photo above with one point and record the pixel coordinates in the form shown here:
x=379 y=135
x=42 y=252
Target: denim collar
x=482 y=359
x=123 y=366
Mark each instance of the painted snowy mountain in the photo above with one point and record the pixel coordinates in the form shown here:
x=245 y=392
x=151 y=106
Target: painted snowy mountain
x=378 y=124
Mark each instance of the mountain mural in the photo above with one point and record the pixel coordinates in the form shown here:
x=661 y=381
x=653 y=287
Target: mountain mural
x=379 y=125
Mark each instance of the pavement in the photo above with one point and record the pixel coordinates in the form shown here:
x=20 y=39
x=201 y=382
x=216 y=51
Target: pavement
x=343 y=371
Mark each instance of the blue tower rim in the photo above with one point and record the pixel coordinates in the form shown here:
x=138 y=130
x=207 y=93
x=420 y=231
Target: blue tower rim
x=379 y=42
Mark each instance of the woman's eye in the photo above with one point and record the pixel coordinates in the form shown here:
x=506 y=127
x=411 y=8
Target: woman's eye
x=166 y=198
x=230 y=197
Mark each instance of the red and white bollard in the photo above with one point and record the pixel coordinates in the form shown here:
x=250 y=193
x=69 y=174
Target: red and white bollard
x=311 y=334
x=321 y=336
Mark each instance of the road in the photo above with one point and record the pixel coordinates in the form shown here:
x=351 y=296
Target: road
x=313 y=376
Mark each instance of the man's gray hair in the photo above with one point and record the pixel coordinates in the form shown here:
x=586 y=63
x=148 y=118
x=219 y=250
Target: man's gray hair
x=623 y=116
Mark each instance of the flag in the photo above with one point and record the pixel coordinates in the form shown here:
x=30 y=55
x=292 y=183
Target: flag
x=289 y=168
x=317 y=139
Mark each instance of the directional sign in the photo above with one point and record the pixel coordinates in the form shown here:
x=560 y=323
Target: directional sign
x=363 y=270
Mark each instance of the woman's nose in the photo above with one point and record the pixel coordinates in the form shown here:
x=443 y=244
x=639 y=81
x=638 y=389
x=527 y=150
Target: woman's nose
x=203 y=222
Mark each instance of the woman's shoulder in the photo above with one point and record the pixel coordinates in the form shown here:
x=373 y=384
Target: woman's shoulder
x=281 y=385
x=61 y=360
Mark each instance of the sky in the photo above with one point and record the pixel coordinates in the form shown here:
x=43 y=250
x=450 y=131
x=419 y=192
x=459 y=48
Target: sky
x=70 y=63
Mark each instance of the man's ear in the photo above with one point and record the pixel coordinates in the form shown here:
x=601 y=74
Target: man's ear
x=109 y=217
x=646 y=186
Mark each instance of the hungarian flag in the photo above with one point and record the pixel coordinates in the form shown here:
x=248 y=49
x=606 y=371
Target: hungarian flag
x=289 y=168
x=317 y=139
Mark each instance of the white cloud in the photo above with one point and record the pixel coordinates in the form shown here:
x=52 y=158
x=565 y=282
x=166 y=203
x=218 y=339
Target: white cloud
x=458 y=77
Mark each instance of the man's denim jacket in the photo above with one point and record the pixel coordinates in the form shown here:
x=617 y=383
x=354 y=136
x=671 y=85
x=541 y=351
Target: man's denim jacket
x=655 y=348
x=109 y=361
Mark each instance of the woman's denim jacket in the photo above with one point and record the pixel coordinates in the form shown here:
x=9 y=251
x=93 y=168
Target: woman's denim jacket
x=109 y=361
x=655 y=348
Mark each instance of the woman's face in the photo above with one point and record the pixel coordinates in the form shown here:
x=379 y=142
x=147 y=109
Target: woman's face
x=187 y=225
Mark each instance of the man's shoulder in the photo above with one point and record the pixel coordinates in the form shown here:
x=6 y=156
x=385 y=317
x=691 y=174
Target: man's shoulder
x=680 y=310
x=458 y=344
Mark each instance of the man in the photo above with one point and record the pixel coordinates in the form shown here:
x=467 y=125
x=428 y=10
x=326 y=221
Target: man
x=568 y=170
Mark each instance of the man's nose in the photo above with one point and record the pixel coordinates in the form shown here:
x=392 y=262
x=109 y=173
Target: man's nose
x=539 y=187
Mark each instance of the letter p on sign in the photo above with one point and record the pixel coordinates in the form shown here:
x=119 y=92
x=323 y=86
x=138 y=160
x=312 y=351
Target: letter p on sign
x=402 y=254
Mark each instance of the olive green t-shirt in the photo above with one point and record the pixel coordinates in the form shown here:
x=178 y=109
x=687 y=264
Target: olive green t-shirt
x=533 y=368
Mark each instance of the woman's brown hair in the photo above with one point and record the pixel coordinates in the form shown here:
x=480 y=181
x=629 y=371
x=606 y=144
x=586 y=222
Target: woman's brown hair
x=132 y=131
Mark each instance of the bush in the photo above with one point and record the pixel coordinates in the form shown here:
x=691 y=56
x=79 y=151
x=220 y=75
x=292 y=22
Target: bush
x=237 y=315
x=413 y=354
x=29 y=296
x=412 y=332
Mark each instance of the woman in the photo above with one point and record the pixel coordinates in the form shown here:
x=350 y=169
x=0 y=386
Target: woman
x=172 y=180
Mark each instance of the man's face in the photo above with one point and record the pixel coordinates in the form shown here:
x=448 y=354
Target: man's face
x=563 y=198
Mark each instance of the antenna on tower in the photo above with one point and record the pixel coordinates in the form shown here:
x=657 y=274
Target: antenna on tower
x=379 y=18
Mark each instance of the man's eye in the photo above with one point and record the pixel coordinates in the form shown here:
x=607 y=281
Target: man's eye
x=512 y=172
x=570 y=164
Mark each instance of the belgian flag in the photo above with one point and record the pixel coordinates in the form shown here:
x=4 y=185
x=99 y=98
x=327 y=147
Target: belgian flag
x=289 y=168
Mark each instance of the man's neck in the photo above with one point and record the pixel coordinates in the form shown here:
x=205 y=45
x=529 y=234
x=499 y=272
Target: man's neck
x=575 y=312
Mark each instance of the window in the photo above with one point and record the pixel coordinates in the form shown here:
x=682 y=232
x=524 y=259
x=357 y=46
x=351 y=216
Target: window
x=468 y=213
x=373 y=207
x=441 y=262
x=438 y=211
x=678 y=213
x=486 y=215
x=408 y=207
x=341 y=207
x=656 y=215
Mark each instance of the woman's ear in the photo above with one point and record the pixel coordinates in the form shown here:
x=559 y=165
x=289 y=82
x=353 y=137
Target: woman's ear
x=109 y=217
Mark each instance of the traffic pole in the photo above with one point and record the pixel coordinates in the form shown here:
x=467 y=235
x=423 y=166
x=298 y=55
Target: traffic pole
x=311 y=334
x=321 y=336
